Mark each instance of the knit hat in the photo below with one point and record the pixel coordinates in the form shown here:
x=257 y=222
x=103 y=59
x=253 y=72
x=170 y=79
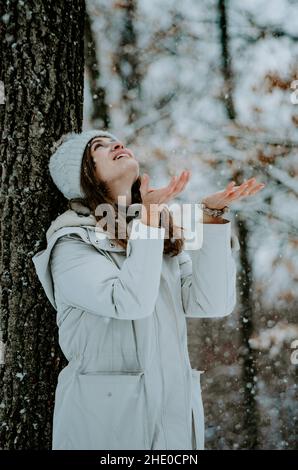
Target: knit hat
x=65 y=163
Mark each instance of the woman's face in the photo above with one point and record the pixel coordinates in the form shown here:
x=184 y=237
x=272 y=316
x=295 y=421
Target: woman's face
x=110 y=166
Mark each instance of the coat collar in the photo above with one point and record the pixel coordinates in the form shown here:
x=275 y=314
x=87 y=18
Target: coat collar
x=78 y=221
x=80 y=216
x=70 y=218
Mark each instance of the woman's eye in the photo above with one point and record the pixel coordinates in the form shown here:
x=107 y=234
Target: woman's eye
x=97 y=146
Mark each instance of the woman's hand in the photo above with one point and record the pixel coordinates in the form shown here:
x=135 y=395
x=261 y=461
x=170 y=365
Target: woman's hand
x=153 y=200
x=232 y=193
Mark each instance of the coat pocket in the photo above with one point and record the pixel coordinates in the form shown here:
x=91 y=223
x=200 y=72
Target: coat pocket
x=198 y=409
x=108 y=411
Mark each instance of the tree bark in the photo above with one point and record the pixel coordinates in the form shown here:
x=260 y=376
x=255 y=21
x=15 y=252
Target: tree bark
x=127 y=64
x=226 y=59
x=42 y=65
x=245 y=284
x=247 y=354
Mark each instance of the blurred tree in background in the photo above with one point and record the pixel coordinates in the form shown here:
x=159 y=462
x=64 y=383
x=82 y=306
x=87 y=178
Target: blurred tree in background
x=211 y=83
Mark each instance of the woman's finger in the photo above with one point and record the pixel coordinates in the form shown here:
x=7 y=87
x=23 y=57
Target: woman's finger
x=184 y=180
x=256 y=189
x=246 y=184
x=231 y=190
x=144 y=184
x=242 y=187
x=230 y=186
x=160 y=193
x=250 y=180
x=248 y=192
x=179 y=184
x=240 y=190
x=251 y=188
x=251 y=183
x=172 y=184
x=173 y=190
x=232 y=197
x=175 y=186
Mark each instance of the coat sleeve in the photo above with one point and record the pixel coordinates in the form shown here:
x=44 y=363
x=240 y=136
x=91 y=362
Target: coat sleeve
x=208 y=274
x=85 y=278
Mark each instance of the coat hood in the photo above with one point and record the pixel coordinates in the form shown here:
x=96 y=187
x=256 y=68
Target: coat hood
x=77 y=216
x=77 y=220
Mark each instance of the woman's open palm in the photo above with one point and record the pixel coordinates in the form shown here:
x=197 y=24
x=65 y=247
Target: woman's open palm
x=165 y=194
x=232 y=192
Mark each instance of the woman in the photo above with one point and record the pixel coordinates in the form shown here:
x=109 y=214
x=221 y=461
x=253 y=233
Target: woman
x=122 y=301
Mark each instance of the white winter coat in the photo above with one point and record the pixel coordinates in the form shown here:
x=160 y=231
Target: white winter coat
x=122 y=318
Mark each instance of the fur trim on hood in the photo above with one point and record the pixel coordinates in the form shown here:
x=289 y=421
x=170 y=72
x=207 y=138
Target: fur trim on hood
x=78 y=215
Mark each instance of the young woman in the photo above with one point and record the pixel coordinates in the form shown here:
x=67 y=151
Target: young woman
x=122 y=301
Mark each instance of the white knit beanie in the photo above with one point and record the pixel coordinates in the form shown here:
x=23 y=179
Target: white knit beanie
x=65 y=163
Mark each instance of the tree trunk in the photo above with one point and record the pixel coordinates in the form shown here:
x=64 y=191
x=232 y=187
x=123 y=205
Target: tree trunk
x=226 y=60
x=247 y=354
x=245 y=285
x=127 y=64
x=42 y=65
x=100 y=115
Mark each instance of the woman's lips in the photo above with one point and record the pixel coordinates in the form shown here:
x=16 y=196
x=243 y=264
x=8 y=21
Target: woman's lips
x=122 y=157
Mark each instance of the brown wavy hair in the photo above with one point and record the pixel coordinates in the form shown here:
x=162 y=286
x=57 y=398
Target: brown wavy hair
x=97 y=192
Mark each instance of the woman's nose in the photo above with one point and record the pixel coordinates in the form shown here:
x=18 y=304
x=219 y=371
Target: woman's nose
x=117 y=145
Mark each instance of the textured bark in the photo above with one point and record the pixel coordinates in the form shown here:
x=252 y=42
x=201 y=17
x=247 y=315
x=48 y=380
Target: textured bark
x=248 y=356
x=245 y=284
x=42 y=64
